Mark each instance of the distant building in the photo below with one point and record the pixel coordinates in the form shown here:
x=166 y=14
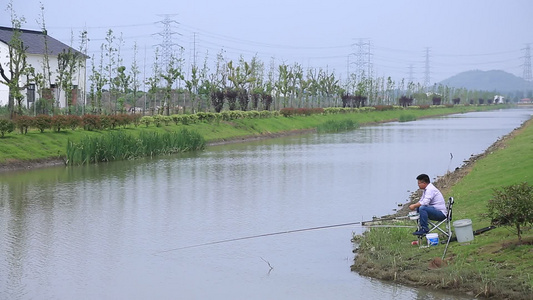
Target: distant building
x=34 y=41
x=499 y=99
x=525 y=100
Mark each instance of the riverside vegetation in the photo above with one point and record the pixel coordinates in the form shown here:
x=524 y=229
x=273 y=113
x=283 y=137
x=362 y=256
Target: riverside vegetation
x=496 y=264
x=94 y=138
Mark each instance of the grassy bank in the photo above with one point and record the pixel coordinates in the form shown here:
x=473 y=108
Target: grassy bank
x=494 y=264
x=36 y=146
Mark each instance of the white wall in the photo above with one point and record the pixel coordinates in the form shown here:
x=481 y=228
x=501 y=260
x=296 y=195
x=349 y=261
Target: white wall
x=4 y=91
x=36 y=61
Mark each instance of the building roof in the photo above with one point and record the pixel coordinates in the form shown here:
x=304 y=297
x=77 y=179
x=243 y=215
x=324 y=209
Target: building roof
x=34 y=41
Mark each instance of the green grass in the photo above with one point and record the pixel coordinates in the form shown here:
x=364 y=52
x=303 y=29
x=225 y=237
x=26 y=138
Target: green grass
x=494 y=263
x=38 y=146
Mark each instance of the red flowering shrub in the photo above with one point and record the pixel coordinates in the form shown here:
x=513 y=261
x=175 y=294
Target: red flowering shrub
x=73 y=121
x=59 y=121
x=42 y=122
x=23 y=123
x=91 y=122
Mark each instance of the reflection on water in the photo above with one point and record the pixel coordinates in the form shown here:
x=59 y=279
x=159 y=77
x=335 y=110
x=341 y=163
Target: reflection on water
x=107 y=231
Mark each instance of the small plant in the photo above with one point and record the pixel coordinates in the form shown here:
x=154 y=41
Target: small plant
x=146 y=120
x=407 y=118
x=158 y=120
x=59 y=121
x=73 y=121
x=43 y=122
x=23 y=123
x=91 y=122
x=512 y=206
x=6 y=126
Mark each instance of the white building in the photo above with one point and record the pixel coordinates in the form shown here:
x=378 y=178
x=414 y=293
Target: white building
x=34 y=42
x=499 y=99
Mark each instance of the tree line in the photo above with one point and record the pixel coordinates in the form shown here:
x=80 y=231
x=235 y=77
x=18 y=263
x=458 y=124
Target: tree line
x=172 y=87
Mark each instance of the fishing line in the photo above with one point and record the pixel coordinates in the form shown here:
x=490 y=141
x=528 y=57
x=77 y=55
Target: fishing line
x=278 y=233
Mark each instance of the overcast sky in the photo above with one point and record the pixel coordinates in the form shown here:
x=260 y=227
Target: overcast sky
x=461 y=35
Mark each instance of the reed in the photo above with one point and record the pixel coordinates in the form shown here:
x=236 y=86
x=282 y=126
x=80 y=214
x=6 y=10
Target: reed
x=407 y=118
x=118 y=145
x=337 y=126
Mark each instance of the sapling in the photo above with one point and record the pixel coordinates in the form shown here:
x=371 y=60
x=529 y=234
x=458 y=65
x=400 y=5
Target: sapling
x=512 y=206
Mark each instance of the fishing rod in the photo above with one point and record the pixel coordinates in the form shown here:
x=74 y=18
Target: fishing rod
x=278 y=233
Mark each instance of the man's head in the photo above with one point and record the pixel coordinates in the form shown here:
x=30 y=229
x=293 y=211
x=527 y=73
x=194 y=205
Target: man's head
x=423 y=181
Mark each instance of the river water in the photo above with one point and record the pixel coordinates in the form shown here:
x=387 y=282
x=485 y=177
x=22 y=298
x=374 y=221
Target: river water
x=158 y=228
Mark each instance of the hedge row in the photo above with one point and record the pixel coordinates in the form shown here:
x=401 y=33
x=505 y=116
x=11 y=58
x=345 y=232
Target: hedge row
x=208 y=117
x=99 y=122
x=61 y=122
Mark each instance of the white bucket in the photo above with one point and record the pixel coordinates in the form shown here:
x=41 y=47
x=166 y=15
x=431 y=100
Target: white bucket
x=433 y=239
x=463 y=230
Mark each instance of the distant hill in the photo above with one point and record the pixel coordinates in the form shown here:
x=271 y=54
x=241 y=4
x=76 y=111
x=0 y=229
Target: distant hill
x=494 y=80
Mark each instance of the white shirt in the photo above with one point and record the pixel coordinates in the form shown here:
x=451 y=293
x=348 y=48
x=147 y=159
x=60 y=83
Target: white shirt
x=433 y=197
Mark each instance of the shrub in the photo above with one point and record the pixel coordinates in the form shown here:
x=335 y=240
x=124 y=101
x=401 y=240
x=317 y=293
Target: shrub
x=287 y=112
x=190 y=119
x=252 y=114
x=59 y=121
x=136 y=119
x=146 y=120
x=23 y=123
x=290 y=111
x=91 y=122
x=176 y=119
x=42 y=122
x=158 y=120
x=73 y=121
x=512 y=206
x=167 y=120
x=266 y=114
x=206 y=116
x=383 y=107
x=6 y=126
x=105 y=122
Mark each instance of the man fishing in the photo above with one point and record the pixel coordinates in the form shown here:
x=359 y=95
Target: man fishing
x=431 y=205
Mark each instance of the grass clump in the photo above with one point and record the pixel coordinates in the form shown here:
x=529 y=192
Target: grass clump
x=119 y=145
x=337 y=126
x=407 y=118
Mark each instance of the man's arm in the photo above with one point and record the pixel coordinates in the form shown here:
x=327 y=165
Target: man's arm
x=415 y=206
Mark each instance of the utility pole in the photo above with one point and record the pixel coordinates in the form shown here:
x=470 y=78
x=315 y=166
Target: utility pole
x=364 y=57
x=427 y=76
x=167 y=45
x=527 y=70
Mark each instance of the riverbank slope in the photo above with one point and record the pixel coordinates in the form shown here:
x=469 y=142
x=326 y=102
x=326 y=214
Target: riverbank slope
x=494 y=264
